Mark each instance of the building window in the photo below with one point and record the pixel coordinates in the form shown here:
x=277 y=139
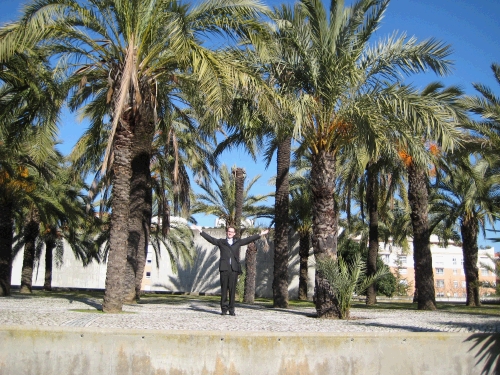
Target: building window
x=402 y=259
x=149 y=261
x=439 y=271
x=455 y=294
x=439 y=294
x=403 y=271
x=484 y=272
x=385 y=258
x=454 y=261
x=148 y=275
x=455 y=271
x=455 y=284
x=464 y=284
x=440 y=283
x=439 y=261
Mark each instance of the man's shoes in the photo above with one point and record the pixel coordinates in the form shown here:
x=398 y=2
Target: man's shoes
x=232 y=313
x=224 y=312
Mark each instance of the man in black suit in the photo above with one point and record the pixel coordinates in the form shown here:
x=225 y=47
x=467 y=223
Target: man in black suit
x=229 y=264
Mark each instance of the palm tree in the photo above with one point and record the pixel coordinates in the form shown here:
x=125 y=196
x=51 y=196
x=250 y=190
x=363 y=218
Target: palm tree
x=301 y=222
x=124 y=52
x=416 y=158
x=30 y=99
x=54 y=210
x=468 y=197
x=346 y=93
x=487 y=107
x=221 y=202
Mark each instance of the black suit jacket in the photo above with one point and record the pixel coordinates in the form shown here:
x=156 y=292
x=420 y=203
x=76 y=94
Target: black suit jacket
x=230 y=251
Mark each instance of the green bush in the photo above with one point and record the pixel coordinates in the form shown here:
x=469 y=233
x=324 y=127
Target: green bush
x=240 y=285
x=345 y=278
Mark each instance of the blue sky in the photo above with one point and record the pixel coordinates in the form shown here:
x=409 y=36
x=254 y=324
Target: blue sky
x=470 y=27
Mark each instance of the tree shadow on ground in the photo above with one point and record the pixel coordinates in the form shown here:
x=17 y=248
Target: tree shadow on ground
x=488 y=352
x=202 y=276
x=258 y=306
x=431 y=327
x=210 y=309
x=451 y=307
x=91 y=299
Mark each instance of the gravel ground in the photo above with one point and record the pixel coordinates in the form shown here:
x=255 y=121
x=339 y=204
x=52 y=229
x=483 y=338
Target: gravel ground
x=199 y=315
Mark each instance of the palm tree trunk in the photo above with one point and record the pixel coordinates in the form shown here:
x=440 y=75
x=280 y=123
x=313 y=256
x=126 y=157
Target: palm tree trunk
x=239 y=175
x=424 y=276
x=372 y=206
x=324 y=239
x=6 y=241
x=303 y=266
x=49 y=251
x=469 y=230
x=117 y=257
x=282 y=202
x=251 y=267
x=31 y=232
x=140 y=211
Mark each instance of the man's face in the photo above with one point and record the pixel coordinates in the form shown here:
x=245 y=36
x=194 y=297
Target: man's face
x=230 y=233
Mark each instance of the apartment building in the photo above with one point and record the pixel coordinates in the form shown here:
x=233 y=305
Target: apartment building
x=448 y=266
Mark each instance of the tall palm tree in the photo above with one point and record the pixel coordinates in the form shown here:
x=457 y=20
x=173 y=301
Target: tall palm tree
x=468 y=197
x=346 y=93
x=124 y=52
x=301 y=222
x=442 y=101
x=30 y=99
x=221 y=202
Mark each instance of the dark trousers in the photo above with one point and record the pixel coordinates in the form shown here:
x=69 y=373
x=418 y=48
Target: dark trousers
x=228 y=282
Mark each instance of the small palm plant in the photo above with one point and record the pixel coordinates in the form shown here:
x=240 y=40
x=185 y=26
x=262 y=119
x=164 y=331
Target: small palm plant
x=346 y=277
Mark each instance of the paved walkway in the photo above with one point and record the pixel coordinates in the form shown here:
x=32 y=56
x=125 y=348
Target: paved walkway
x=201 y=315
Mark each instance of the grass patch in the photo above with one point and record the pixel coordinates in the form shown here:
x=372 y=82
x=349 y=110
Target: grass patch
x=174 y=299
x=93 y=311
x=74 y=294
x=99 y=311
x=453 y=307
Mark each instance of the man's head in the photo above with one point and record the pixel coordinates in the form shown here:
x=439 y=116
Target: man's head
x=230 y=232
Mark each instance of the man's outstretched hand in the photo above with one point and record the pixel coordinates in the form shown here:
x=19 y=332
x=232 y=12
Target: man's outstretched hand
x=264 y=232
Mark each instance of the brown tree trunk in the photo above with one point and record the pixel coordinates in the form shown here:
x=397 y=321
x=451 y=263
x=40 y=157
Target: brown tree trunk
x=325 y=230
x=251 y=268
x=31 y=232
x=281 y=207
x=49 y=251
x=117 y=257
x=469 y=230
x=239 y=176
x=6 y=240
x=424 y=276
x=304 y=244
x=140 y=210
x=372 y=206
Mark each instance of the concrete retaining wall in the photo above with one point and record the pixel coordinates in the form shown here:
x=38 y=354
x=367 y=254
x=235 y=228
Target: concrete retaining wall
x=49 y=351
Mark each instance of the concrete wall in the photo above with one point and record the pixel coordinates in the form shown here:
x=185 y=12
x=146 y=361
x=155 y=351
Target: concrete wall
x=203 y=275
x=48 y=351
x=200 y=277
